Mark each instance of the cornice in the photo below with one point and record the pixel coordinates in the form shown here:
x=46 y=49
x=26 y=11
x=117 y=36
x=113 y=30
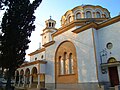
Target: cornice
x=48 y=44
x=79 y=22
x=97 y=26
x=33 y=63
x=86 y=26
x=109 y=22
x=37 y=51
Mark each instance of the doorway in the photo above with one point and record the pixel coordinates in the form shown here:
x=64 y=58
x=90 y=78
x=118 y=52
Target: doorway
x=113 y=75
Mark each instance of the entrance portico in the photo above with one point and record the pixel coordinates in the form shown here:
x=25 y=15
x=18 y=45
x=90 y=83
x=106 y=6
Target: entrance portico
x=31 y=75
x=112 y=66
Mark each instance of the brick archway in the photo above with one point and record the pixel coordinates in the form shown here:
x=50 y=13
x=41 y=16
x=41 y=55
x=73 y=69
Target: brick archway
x=66 y=48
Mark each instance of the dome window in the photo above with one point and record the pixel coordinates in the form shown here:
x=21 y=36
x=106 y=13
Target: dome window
x=88 y=14
x=78 y=16
x=70 y=19
x=52 y=24
x=49 y=24
x=98 y=15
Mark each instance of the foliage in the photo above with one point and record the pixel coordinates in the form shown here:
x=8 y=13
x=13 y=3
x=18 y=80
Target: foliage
x=17 y=26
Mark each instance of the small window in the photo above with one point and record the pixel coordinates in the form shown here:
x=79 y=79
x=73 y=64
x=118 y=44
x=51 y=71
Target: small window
x=61 y=66
x=112 y=60
x=35 y=58
x=78 y=16
x=70 y=19
x=88 y=14
x=109 y=45
x=98 y=15
x=42 y=57
x=71 y=64
x=104 y=15
x=49 y=24
x=44 y=37
x=52 y=24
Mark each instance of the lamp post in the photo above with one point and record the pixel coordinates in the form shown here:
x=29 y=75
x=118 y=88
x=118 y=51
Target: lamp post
x=103 y=55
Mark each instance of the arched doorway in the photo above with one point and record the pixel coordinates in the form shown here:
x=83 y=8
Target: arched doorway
x=27 y=75
x=21 y=77
x=113 y=72
x=34 y=77
x=66 y=64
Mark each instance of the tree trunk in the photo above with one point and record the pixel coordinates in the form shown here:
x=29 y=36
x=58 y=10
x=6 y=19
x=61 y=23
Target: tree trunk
x=8 y=85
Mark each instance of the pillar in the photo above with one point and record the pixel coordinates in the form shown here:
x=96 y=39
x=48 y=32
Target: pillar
x=83 y=15
x=38 y=86
x=15 y=80
x=19 y=81
x=30 y=81
x=24 y=80
x=94 y=15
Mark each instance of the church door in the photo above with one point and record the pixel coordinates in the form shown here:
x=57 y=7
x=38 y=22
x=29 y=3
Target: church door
x=113 y=75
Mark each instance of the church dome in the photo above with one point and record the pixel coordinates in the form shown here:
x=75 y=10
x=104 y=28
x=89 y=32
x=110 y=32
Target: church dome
x=85 y=12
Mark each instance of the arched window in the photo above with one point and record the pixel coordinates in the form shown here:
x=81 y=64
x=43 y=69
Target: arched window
x=70 y=19
x=78 y=16
x=104 y=15
x=49 y=24
x=65 y=62
x=98 y=15
x=61 y=66
x=52 y=24
x=71 y=64
x=88 y=14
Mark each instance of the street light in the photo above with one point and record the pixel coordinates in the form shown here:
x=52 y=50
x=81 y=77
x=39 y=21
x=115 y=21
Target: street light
x=103 y=55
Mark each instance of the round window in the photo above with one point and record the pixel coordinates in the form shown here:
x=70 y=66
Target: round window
x=109 y=45
x=42 y=57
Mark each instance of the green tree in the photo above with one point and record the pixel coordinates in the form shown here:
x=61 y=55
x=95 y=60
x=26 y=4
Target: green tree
x=17 y=26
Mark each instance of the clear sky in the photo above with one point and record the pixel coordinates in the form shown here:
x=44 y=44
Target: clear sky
x=57 y=8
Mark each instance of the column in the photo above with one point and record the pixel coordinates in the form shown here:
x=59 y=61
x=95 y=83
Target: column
x=19 y=81
x=94 y=15
x=83 y=15
x=24 y=80
x=38 y=86
x=15 y=80
x=30 y=81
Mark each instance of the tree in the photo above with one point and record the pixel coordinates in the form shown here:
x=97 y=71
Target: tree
x=17 y=26
x=3 y=3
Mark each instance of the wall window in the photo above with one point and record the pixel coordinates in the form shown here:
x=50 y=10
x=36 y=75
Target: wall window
x=98 y=15
x=67 y=69
x=71 y=64
x=49 y=24
x=78 y=16
x=61 y=66
x=70 y=19
x=88 y=14
x=104 y=15
x=66 y=64
x=52 y=24
x=65 y=58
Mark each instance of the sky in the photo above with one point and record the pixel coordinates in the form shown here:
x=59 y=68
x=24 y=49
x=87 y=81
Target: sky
x=57 y=8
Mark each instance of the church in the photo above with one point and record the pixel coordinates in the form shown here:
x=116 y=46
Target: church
x=83 y=54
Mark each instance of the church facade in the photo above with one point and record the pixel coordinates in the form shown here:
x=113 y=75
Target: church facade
x=83 y=54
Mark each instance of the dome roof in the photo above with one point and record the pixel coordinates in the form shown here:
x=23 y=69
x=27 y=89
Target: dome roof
x=85 y=12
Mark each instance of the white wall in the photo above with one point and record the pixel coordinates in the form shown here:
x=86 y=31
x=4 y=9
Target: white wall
x=111 y=34
x=38 y=56
x=85 y=55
